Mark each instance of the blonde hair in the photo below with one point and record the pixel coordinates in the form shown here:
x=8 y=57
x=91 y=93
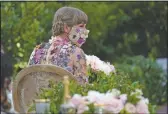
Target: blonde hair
x=69 y=16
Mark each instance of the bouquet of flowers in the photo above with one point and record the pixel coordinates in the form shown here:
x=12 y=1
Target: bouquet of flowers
x=98 y=65
x=112 y=102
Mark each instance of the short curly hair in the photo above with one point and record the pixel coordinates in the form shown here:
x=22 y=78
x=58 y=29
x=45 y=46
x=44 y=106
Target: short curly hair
x=67 y=15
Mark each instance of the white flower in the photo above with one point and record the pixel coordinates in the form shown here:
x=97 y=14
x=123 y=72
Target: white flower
x=76 y=100
x=146 y=100
x=79 y=103
x=113 y=105
x=142 y=107
x=94 y=62
x=130 y=108
x=82 y=108
x=111 y=66
x=123 y=98
x=109 y=94
x=115 y=92
x=110 y=102
x=94 y=97
x=99 y=65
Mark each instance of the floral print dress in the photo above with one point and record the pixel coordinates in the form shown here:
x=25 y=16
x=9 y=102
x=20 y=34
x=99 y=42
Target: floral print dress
x=61 y=52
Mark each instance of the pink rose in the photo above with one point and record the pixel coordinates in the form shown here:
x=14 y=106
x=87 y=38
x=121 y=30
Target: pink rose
x=123 y=98
x=76 y=100
x=114 y=105
x=82 y=108
x=142 y=107
x=94 y=97
x=130 y=108
x=79 y=103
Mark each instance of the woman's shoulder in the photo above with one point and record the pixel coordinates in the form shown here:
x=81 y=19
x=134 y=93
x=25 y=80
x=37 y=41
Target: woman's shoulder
x=38 y=53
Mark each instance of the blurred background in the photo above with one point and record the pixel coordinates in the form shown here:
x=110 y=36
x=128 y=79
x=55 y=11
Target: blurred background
x=130 y=35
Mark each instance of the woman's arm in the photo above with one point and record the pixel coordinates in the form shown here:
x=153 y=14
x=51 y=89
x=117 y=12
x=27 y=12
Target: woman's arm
x=79 y=65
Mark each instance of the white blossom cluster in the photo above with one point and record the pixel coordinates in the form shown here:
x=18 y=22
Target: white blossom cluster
x=113 y=102
x=95 y=63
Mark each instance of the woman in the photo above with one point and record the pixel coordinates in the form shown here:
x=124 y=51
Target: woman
x=63 y=49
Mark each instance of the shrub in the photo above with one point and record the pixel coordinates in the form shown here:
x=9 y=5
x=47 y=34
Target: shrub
x=98 y=82
x=149 y=74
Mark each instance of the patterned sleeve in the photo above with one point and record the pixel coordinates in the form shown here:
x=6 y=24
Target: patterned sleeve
x=79 y=65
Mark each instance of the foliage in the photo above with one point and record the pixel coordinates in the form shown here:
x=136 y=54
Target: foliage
x=149 y=74
x=136 y=32
x=101 y=83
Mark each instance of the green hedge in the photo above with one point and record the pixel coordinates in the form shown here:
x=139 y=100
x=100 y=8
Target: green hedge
x=149 y=74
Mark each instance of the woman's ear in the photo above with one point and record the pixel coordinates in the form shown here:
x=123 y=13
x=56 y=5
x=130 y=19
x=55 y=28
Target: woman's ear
x=66 y=28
